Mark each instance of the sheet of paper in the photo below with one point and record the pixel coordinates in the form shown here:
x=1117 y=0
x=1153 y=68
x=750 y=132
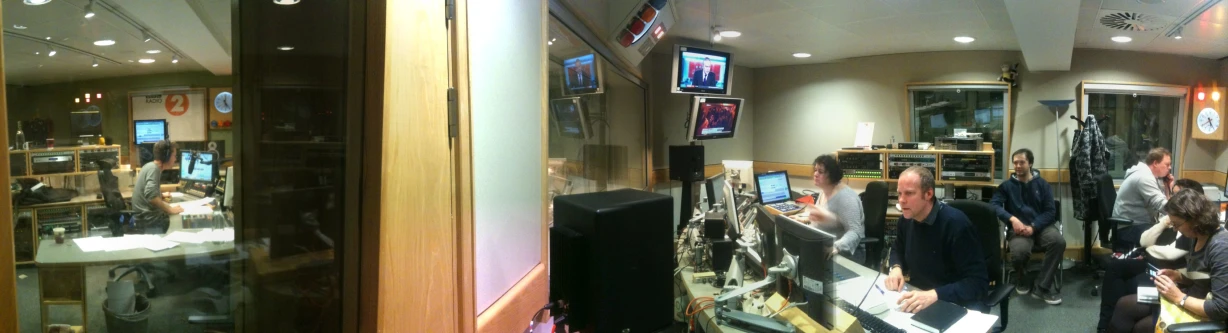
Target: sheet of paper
x=159 y=244
x=90 y=244
x=974 y=321
x=194 y=203
x=196 y=210
x=184 y=237
x=865 y=134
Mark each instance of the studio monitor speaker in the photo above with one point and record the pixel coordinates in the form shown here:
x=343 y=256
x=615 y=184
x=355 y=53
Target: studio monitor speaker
x=686 y=163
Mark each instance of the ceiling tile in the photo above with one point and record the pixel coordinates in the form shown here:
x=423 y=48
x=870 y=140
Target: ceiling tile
x=930 y=6
x=848 y=11
x=1174 y=8
x=998 y=20
x=735 y=9
x=991 y=5
x=1205 y=30
x=1093 y=4
x=1217 y=14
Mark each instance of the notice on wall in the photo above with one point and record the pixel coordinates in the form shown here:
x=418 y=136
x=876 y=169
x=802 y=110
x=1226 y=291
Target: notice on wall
x=865 y=134
x=185 y=111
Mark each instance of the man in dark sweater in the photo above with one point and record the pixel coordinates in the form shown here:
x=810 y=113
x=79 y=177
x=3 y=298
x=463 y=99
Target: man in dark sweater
x=937 y=246
x=1026 y=202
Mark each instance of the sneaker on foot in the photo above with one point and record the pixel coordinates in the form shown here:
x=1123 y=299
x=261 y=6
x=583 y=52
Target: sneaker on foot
x=1052 y=298
x=1023 y=289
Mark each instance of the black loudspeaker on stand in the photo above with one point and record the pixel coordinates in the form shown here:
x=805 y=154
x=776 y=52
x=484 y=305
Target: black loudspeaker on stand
x=611 y=261
x=686 y=164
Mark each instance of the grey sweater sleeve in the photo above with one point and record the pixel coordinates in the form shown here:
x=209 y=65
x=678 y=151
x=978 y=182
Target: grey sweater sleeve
x=846 y=205
x=1216 y=260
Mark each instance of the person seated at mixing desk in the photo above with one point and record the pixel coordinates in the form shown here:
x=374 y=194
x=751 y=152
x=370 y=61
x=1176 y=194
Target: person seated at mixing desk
x=152 y=209
x=1025 y=202
x=839 y=210
x=938 y=248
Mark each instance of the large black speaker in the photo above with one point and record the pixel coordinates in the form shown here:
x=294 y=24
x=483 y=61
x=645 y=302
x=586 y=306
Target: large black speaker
x=611 y=260
x=686 y=163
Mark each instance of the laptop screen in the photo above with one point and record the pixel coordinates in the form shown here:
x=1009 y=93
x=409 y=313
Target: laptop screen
x=773 y=187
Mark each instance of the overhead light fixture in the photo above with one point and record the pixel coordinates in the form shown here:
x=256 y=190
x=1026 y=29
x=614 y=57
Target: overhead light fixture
x=48 y=38
x=89 y=9
x=95 y=63
x=730 y=33
x=35 y=2
x=549 y=42
x=175 y=59
x=153 y=51
x=285 y=48
x=1178 y=34
x=716 y=37
x=50 y=51
x=19 y=27
x=285 y=2
x=1122 y=39
x=145 y=36
x=965 y=39
x=801 y=55
x=104 y=42
x=145 y=61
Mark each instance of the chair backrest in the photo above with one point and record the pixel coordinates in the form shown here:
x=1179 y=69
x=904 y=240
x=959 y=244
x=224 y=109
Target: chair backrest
x=109 y=185
x=988 y=231
x=1106 y=195
x=874 y=204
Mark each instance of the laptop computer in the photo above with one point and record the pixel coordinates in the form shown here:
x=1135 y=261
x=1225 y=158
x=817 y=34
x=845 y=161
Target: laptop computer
x=774 y=192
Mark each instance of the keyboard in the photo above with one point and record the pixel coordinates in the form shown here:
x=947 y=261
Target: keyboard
x=868 y=321
x=785 y=206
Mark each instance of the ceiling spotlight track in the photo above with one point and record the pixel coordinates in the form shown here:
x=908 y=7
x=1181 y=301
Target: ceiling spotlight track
x=56 y=46
x=89 y=9
x=145 y=34
x=1175 y=30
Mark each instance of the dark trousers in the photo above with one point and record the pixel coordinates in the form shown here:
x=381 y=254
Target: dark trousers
x=1132 y=316
x=1121 y=278
x=1049 y=239
x=1128 y=237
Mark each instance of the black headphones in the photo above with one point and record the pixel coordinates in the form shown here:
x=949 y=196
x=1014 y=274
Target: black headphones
x=170 y=150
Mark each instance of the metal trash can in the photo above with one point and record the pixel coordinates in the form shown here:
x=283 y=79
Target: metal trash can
x=136 y=322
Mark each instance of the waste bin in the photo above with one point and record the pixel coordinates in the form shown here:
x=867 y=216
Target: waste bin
x=135 y=322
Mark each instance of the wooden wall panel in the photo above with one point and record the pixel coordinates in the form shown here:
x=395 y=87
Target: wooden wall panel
x=512 y=311
x=417 y=261
x=372 y=180
x=8 y=282
x=1206 y=176
x=463 y=174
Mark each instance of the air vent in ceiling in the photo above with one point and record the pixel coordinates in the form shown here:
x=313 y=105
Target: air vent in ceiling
x=1133 y=21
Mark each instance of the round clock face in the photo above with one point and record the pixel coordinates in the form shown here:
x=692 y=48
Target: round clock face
x=1208 y=121
x=224 y=102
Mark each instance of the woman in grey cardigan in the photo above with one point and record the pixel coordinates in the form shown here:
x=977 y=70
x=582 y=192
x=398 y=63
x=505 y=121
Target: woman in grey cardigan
x=838 y=211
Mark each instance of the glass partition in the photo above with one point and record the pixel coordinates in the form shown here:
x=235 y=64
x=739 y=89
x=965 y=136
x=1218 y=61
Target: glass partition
x=1133 y=124
x=940 y=111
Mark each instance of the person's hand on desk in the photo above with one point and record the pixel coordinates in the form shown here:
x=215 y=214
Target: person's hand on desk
x=175 y=210
x=895 y=279
x=914 y=301
x=817 y=215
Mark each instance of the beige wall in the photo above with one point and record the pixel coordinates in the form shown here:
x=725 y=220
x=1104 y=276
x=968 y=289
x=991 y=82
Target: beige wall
x=670 y=111
x=821 y=103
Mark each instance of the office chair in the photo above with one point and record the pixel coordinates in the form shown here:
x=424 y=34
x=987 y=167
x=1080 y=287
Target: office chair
x=989 y=231
x=874 y=205
x=118 y=218
x=1110 y=227
x=1033 y=265
x=1199 y=327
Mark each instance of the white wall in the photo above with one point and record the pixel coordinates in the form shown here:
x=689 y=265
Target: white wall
x=505 y=41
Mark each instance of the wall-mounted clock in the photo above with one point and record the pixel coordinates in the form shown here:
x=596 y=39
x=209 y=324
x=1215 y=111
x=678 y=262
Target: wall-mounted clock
x=1208 y=117
x=224 y=102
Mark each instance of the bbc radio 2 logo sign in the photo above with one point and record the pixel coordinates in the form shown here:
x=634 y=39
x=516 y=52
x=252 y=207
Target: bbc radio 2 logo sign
x=175 y=104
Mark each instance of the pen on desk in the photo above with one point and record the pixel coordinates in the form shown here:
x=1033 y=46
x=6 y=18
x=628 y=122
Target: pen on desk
x=880 y=290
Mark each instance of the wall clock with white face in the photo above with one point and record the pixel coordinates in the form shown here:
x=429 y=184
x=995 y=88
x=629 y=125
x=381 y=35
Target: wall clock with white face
x=224 y=102
x=1207 y=121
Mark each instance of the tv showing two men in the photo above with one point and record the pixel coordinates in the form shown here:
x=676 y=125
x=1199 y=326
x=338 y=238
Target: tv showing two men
x=715 y=118
x=580 y=75
x=702 y=71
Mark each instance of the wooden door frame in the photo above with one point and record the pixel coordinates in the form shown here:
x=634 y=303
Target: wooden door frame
x=8 y=275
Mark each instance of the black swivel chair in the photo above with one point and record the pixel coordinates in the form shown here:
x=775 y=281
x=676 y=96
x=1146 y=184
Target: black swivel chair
x=874 y=205
x=119 y=219
x=1110 y=227
x=989 y=231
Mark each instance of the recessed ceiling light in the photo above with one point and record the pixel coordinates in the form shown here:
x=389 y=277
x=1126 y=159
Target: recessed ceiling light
x=145 y=61
x=285 y=2
x=36 y=2
x=104 y=42
x=48 y=38
x=153 y=51
x=731 y=33
x=285 y=48
x=965 y=39
x=1122 y=39
x=19 y=27
x=801 y=55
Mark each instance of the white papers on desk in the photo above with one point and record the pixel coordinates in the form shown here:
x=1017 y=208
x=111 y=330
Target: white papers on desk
x=195 y=207
x=207 y=235
x=128 y=242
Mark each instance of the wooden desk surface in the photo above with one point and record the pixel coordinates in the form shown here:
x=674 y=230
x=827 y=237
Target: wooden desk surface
x=68 y=254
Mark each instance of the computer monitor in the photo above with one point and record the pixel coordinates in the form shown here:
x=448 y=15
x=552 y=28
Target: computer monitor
x=773 y=187
x=812 y=248
x=938 y=121
x=150 y=130
x=582 y=75
x=710 y=185
x=1223 y=212
x=731 y=211
x=714 y=118
x=229 y=198
x=771 y=251
x=983 y=116
x=702 y=71
x=86 y=124
x=740 y=173
x=569 y=117
x=196 y=166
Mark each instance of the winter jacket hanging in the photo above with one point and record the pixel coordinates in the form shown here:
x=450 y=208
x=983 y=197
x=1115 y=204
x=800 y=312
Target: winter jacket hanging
x=1089 y=157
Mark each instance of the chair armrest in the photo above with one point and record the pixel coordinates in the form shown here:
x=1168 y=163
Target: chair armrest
x=1119 y=221
x=870 y=240
x=998 y=294
x=210 y=320
x=1202 y=326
